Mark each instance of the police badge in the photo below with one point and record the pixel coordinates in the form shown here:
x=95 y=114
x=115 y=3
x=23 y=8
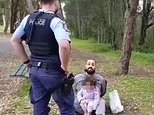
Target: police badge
x=65 y=27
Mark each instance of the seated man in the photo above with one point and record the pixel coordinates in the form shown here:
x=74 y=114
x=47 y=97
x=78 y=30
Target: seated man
x=101 y=84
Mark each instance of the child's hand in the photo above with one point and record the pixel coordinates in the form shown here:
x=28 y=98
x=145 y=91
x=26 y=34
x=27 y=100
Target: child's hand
x=83 y=102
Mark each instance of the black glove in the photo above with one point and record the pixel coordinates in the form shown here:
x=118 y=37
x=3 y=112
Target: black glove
x=67 y=84
x=93 y=112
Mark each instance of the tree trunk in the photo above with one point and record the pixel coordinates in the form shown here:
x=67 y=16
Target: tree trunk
x=114 y=45
x=6 y=24
x=98 y=35
x=14 y=11
x=30 y=8
x=145 y=20
x=78 y=19
x=128 y=39
x=4 y=20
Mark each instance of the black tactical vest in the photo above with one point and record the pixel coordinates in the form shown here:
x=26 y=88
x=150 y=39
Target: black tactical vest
x=41 y=39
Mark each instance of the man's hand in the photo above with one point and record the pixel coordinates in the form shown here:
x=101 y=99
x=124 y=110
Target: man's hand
x=67 y=84
x=64 y=69
x=26 y=62
x=64 y=53
x=19 y=48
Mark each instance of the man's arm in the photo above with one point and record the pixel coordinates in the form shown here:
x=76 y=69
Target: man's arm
x=62 y=36
x=103 y=87
x=80 y=96
x=16 y=40
x=64 y=53
x=19 y=48
x=103 y=84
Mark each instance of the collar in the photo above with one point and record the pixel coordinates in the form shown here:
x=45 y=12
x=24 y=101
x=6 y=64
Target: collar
x=48 y=11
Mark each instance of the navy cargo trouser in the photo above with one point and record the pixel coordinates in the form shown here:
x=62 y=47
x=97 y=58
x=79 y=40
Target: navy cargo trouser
x=47 y=78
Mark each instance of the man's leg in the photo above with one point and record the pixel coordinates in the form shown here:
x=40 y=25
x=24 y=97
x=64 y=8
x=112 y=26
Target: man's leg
x=65 y=102
x=101 y=107
x=39 y=97
x=41 y=106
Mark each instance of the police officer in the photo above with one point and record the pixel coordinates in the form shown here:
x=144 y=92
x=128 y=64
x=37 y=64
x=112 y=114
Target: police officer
x=49 y=43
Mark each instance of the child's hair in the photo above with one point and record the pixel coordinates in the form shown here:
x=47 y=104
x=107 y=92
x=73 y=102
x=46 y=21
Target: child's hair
x=90 y=80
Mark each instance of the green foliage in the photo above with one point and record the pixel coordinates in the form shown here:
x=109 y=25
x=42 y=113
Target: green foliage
x=99 y=18
x=104 y=21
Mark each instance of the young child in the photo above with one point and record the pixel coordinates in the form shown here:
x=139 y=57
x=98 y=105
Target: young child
x=89 y=96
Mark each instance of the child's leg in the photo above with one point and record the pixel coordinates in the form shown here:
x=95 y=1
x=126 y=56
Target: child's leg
x=90 y=107
x=100 y=110
x=83 y=105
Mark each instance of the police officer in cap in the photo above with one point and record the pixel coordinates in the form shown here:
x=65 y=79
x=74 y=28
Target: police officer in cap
x=49 y=43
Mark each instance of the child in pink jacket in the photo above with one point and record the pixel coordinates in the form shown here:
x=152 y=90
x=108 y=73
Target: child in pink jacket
x=89 y=96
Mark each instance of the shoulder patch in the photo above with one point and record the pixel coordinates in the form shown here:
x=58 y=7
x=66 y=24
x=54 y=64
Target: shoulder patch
x=65 y=27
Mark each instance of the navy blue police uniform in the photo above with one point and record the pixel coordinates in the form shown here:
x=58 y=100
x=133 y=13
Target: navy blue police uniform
x=43 y=31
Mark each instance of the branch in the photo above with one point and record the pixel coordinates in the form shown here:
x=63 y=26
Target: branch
x=151 y=8
x=149 y=25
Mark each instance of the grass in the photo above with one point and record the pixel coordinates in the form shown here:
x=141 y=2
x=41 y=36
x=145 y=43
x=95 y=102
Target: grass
x=1 y=28
x=106 y=51
x=22 y=101
x=132 y=89
x=137 y=92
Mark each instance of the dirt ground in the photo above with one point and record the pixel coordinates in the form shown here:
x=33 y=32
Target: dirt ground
x=9 y=86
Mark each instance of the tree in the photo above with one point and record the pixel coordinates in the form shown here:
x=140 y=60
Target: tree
x=30 y=6
x=5 y=10
x=146 y=22
x=129 y=33
x=14 y=11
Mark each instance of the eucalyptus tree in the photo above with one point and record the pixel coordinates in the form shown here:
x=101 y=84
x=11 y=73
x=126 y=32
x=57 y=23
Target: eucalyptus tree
x=129 y=34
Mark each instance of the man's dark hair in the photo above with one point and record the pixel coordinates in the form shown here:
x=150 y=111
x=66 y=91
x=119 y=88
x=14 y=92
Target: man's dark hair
x=47 y=1
x=90 y=80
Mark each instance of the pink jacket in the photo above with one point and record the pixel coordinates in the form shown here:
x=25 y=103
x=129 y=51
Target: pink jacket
x=89 y=96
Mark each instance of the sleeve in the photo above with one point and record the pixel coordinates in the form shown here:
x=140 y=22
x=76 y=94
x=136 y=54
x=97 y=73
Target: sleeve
x=19 y=32
x=60 y=29
x=74 y=87
x=77 y=83
x=96 y=99
x=103 y=87
x=80 y=95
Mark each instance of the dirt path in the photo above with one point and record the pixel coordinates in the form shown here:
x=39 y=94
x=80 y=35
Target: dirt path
x=9 y=86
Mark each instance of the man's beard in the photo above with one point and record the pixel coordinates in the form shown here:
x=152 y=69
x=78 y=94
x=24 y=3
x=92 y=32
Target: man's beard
x=90 y=71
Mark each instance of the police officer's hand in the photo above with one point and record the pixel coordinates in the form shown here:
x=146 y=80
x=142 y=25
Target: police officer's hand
x=27 y=62
x=65 y=70
x=67 y=83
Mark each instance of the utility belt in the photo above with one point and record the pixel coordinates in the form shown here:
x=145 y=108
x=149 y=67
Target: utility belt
x=47 y=65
